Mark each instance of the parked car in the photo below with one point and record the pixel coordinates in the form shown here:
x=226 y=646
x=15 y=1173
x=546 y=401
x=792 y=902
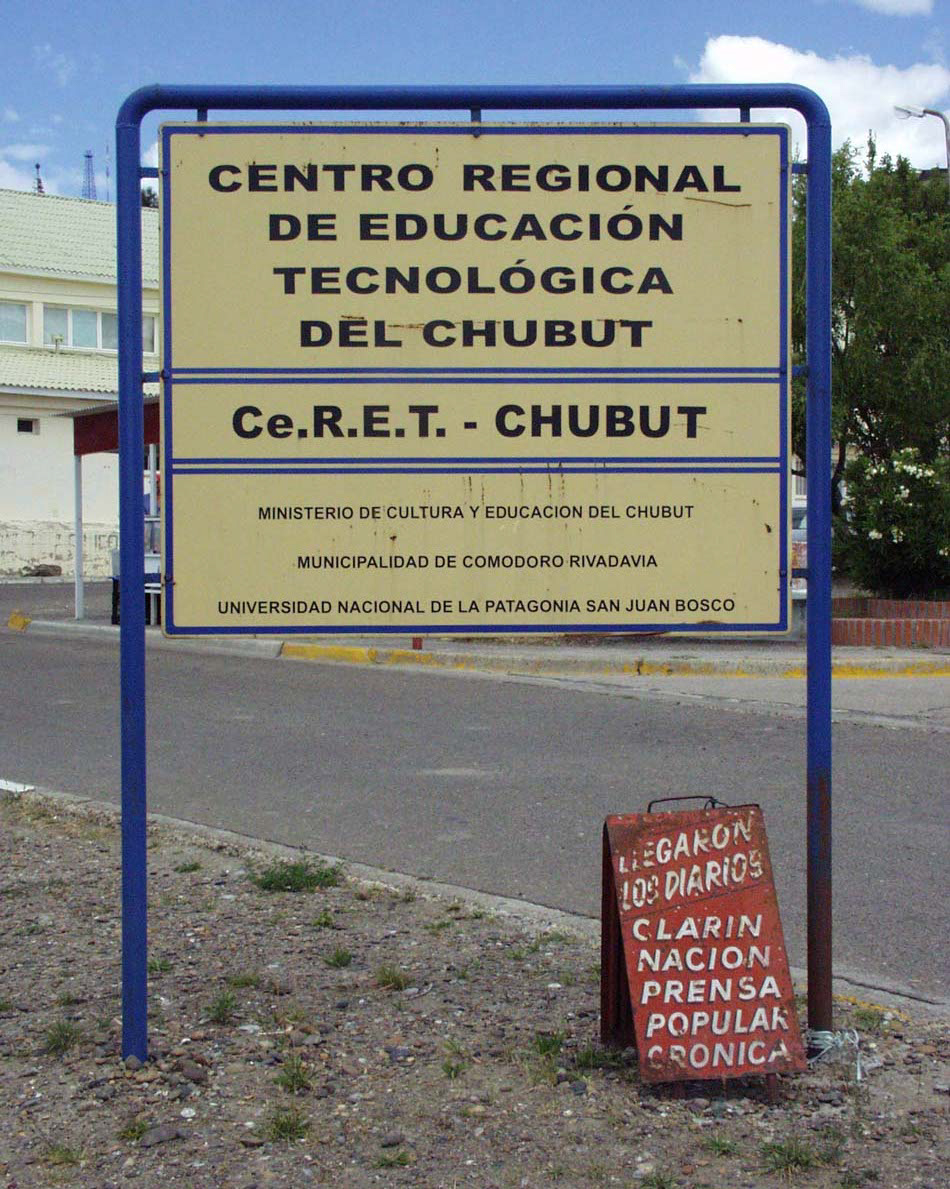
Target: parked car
x=799 y=548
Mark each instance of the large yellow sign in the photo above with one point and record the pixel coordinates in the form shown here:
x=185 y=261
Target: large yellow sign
x=460 y=378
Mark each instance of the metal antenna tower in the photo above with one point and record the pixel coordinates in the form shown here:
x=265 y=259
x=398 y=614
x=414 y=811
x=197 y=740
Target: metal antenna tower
x=38 y=181
x=88 y=178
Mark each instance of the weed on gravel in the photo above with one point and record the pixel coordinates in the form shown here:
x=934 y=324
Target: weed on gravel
x=286 y=1125
x=721 y=1145
x=391 y=978
x=399 y=1159
x=133 y=1131
x=294 y=1076
x=790 y=1156
x=296 y=875
x=61 y=1036
x=223 y=1008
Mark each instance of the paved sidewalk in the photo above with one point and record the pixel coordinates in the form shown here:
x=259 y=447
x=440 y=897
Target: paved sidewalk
x=49 y=607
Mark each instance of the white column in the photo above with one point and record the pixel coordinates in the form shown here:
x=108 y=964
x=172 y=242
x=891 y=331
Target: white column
x=77 y=530
x=154 y=600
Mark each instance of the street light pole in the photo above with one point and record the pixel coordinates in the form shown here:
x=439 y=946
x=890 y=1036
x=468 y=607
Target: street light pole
x=919 y=113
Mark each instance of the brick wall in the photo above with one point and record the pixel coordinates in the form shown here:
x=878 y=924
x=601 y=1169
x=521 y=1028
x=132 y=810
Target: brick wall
x=900 y=623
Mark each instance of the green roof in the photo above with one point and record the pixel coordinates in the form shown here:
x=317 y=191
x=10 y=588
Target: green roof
x=65 y=371
x=47 y=235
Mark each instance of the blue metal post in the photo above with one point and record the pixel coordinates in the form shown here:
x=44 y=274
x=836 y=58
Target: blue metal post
x=132 y=569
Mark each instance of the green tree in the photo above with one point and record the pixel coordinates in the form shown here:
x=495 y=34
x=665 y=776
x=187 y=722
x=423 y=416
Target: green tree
x=895 y=538
x=890 y=307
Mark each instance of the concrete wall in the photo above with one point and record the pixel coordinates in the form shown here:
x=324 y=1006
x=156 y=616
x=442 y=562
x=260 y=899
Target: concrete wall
x=36 y=497
x=25 y=544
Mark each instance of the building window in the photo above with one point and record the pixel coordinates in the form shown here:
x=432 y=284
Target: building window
x=90 y=329
x=12 y=322
x=27 y=425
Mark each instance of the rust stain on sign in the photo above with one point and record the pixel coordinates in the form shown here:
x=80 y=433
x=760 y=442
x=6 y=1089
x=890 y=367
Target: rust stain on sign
x=691 y=920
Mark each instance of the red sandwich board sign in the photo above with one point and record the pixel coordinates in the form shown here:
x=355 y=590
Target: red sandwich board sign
x=694 y=970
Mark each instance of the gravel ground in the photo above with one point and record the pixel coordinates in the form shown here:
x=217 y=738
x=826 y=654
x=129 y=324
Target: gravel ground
x=361 y=1035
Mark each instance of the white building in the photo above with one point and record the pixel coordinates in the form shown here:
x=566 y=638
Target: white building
x=58 y=355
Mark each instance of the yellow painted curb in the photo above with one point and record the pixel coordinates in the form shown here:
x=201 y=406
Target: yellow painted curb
x=672 y=669
x=331 y=652
x=915 y=669
x=855 y=1002
x=356 y=655
x=406 y=656
x=18 y=621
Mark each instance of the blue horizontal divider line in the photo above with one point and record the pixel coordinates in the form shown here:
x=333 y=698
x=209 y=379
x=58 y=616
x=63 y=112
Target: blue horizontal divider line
x=175 y=373
x=179 y=461
x=412 y=128
x=539 y=379
x=473 y=629
x=470 y=470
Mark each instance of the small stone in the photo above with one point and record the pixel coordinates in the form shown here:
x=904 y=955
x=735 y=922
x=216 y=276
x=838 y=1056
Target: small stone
x=133 y=1063
x=392 y=1140
x=579 y=1087
x=193 y=1071
x=160 y=1135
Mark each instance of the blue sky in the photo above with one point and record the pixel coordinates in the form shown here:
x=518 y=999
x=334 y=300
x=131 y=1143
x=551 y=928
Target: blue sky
x=65 y=67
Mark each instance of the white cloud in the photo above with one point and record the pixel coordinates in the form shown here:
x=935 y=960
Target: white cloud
x=10 y=116
x=12 y=177
x=898 y=8
x=859 y=94
x=61 y=66
x=24 y=152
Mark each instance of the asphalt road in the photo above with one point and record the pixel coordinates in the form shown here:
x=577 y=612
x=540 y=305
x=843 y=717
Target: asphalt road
x=500 y=784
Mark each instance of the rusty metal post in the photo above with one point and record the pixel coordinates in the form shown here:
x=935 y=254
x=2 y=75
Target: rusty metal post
x=818 y=469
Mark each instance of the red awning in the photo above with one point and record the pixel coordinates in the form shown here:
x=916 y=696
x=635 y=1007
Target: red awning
x=96 y=431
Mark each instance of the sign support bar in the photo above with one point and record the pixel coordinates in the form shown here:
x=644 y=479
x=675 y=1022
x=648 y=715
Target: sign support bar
x=132 y=622
x=131 y=505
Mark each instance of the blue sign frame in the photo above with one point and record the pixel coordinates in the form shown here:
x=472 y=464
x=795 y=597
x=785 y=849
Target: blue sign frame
x=475 y=100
